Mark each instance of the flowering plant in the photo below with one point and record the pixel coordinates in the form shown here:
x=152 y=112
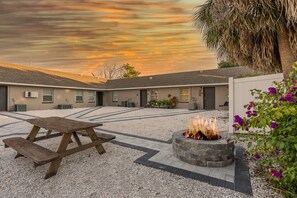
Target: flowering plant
x=272 y=139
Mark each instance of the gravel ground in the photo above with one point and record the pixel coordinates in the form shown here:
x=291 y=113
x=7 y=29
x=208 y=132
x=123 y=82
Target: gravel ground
x=166 y=121
x=87 y=174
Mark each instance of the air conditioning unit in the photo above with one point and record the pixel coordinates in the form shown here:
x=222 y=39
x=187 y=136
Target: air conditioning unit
x=31 y=94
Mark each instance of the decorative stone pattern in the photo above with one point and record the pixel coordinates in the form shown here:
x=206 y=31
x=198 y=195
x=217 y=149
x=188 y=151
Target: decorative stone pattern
x=207 y=153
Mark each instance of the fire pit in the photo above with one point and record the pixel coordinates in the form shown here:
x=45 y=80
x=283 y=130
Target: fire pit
x=202 y=145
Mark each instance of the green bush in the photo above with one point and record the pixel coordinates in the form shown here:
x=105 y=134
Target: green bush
x=159 y=103
x=272 y=138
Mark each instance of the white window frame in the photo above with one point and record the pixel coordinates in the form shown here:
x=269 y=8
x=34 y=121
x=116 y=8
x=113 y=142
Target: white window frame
x=115 y=96
x=92 y=96
x=47 y=94
x=182 y=94
x=79 y=93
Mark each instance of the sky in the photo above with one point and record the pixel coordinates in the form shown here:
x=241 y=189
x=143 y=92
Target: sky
x=82 y=36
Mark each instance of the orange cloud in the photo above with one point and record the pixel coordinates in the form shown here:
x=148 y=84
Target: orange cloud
x=81 y=36
x=127 y=53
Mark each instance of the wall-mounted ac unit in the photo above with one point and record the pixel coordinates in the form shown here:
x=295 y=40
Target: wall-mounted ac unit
x=31 y=94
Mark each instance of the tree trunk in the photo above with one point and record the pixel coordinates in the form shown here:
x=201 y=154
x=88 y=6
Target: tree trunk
x=287 y=57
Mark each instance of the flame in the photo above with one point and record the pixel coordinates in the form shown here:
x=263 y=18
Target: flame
x=207 y=127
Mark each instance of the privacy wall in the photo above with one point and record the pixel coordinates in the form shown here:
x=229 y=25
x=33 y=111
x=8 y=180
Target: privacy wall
x=240 y=92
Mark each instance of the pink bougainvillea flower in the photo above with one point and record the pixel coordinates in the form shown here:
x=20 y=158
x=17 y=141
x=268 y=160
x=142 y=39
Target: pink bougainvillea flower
x=238 y=119
x=277 y=150
x=257 y=156
x=294 y=89
x=273 y=125
x=227 y=140
x=236 y=127
x=289 y=98
x=272 y=91
x=275 y=173
x=254 y=113
x=250 y=105
x=282 y=99
x=248 y=113
x=251 y=113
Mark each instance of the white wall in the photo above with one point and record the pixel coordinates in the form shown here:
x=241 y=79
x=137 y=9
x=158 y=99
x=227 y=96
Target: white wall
x=240 y=95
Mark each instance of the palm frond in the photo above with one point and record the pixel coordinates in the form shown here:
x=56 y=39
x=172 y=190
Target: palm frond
x=246 y=31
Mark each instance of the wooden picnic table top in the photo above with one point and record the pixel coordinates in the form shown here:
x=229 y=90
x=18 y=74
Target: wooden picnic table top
x=62 y=125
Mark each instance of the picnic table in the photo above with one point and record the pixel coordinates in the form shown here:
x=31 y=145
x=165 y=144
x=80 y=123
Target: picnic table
x=65 y=128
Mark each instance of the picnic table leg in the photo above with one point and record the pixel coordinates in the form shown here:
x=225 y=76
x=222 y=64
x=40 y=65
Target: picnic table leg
x=33 y=133
x=94 y=137
x=54 y=166
x=77 y=138
x=48 y=133
x=30 y=137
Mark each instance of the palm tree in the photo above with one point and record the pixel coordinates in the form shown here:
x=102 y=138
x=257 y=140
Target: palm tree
x=261 y=34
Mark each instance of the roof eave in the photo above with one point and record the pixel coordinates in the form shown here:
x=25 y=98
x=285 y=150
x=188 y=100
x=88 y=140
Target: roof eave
x=50 y=86
x=166 y=86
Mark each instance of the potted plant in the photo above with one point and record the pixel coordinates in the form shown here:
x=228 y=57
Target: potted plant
x=173 y=101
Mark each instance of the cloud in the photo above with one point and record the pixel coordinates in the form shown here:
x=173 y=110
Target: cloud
x=82 y=35
x=127 y=53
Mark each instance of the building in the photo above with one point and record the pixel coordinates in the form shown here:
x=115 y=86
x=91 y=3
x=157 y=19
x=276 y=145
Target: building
x=46 y=89
x=207 y=88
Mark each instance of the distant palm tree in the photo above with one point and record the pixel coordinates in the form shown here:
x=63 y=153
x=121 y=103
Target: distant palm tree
x=261 y=34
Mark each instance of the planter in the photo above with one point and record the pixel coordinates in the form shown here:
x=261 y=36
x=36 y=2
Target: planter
x=207 y=153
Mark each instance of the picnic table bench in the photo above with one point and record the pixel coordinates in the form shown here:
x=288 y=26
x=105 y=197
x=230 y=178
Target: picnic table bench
x=38 y=154
x=65 y=128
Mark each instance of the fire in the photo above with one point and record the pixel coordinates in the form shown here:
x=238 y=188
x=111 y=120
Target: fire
x=203 y=129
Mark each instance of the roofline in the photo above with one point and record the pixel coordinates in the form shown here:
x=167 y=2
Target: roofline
x=166 y=86
x=50 y=86
x=193 y=71
x=113 y=89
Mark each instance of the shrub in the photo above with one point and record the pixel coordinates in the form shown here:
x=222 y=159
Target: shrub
x=272 y=118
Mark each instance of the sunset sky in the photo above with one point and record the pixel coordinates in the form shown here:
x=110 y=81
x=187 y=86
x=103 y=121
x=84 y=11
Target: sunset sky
x=81 y=36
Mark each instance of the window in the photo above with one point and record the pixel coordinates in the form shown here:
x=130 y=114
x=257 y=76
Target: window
x=79 y=96
x=48 y=95
x=92 y=96
x=184 y=95
x=115 y=96
x=154 y=94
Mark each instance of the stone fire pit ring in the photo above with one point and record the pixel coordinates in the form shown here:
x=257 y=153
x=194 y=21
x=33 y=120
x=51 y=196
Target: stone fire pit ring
x=207 y=153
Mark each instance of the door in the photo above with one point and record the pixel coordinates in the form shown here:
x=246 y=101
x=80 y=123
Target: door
x=209 y=100
x=99 y=98
x=143 y=98
x=3 y=98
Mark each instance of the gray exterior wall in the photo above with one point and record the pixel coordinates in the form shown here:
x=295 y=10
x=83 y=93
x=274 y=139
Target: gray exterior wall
x=16 y=95
x=123 y=95
x=196 y=93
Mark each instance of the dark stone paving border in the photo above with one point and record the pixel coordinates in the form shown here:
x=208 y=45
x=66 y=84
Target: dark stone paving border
x=135 y=136
x=108 y=114
x=17 y=118
x=155 y=114
x=84 y=110
x=32 y=116
x=115 y=113
x=148 y=117
x=90 y=111
x=4 y=125
x=242 y=178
